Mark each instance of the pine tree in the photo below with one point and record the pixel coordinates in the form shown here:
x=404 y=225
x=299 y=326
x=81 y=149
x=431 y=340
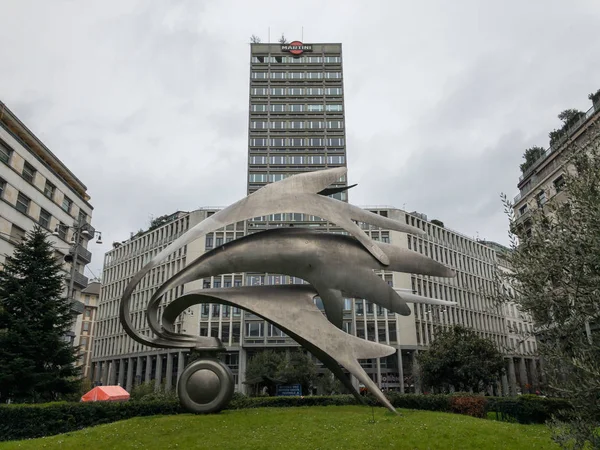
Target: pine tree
x=36 y=361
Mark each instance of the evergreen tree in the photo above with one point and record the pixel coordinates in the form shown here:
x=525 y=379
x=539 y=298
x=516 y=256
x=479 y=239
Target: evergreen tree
x=36 y=361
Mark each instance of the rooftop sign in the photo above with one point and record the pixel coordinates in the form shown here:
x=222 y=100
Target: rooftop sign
x=296 y=48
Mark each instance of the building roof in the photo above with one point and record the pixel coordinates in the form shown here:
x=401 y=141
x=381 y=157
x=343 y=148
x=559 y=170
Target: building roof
x=30 y=141
x=93 y=288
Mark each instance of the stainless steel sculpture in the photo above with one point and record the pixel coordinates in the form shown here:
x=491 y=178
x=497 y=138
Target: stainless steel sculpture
x=334 y=265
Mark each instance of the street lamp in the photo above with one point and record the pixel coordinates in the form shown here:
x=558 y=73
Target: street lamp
x=80 y=229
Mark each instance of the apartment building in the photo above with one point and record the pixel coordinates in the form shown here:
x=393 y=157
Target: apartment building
x=36 y=188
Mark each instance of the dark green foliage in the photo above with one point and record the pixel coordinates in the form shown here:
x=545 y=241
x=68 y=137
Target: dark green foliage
x=556 y=274
x=459 y=358
x=530 y=156
x=36 y=362
x=595 y=97
x=439 y=223
x=569 y=117
x=30 y=421
x=269 y=368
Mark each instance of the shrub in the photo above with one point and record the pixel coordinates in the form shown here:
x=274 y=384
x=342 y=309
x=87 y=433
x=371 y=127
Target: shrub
x=528 y=409
x=470 y=405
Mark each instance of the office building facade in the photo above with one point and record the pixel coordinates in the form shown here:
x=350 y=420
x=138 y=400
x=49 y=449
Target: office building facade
x=296 y=124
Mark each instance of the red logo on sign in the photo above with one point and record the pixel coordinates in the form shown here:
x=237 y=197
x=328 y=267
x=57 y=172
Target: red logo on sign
x=296 y=51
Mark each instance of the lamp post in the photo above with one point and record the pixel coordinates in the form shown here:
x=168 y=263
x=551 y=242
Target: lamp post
x=80 y=229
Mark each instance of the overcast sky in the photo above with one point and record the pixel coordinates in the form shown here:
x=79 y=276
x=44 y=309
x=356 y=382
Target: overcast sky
x=146 y=101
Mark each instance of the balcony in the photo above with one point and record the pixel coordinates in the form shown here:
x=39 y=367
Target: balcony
x=558 y=145
x=79 y=280
x=77 y=307
x=84 y=254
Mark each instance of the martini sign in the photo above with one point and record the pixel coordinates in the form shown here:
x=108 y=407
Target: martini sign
x=296 y=48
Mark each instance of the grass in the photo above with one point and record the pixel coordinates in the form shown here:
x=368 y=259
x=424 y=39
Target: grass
x=317 y=427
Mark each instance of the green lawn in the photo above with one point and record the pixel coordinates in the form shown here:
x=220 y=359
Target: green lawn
x=317 y=427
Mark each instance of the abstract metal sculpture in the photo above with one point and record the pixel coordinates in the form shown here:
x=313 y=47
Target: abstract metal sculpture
x=334 y=265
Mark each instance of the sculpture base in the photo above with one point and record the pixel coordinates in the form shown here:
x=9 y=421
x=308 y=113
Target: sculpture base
x=205 y=386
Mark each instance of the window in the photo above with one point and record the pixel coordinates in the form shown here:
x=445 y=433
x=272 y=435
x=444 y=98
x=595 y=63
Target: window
x=314 y=124
x=314 y=91
x=333 y=59
x=62 y=231
x=22 y=203
x=86 y=326
x=278 y=125
x=314 y=108
x=2 y=187
x=5 y=153
x=295 y=91
x=257 y=178
x=277 y=160
x=559 y=183
x=277 y=75
x=258 y=125
x=28 y=172
x=296 y=75
x=296 y=142
x=297 y=125
x=208 y=242
x=17 y=234
x=259 y=75
x=336 y=160
x=254 y=329
x=258 y=160
x=259 y=91
x=278 y=108
x=335 y=124
x=333 y=108
x=258 y=142
x=333 y=75
x=314 y=75
x=315 y=141
x=296 y=108
x=44 y=218
x=278 y=142
x=335 y=141
x=49 y=190
x=67 y=203
x=278 y=91
x=541 y=198
x=258 y=108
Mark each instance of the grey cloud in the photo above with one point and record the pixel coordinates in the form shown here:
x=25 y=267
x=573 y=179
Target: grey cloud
x=146 y=101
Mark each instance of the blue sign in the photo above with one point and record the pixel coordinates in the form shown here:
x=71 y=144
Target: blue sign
x=289 y=390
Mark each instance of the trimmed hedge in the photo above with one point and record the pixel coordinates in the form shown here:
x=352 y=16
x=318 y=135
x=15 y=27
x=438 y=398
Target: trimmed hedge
x=31 y=421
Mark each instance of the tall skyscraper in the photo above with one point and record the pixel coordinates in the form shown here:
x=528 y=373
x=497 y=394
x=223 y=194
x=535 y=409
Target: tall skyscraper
x=296 y=112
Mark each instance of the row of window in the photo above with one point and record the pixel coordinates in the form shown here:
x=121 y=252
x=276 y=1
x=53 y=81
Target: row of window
x=295 y=107
x=296 y=75
x=296 y=60
x=297 y=142
x=299 y=149
x=295 y=160
x=29 y=173
x=294 y=125
x=296 y=91
x=23 y=205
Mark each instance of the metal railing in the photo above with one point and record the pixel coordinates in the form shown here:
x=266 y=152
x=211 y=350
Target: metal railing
x=79 y=279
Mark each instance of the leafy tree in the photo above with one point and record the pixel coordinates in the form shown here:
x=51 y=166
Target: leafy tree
x=530 y=156
x=262 y=369
x=330 y=385
x=556 y=276
x=595 y=97
x=297 y=367
x=255 y=39
x=282 y=39
x=458 y=357
x=568 y=117
x=36 y=361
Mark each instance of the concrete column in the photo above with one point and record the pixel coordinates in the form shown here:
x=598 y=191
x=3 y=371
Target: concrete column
x=102 y=375
x=148 y=369
x=138 y=371
x=512 y=377
x=180 y=366
x=400 y=371
x=129 y=382
x=121 y=377
x=95 y=372
x=534 y=376
x=522 y=374
x=416 y=372
x=505 y=391
x=158 y=374
x=111 y=373
x=242 y=369
x=169 y=376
